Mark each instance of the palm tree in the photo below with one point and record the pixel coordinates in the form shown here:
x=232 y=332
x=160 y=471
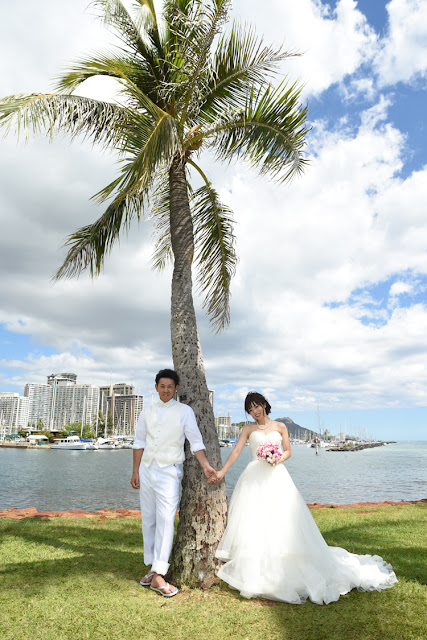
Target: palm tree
x=185 y=85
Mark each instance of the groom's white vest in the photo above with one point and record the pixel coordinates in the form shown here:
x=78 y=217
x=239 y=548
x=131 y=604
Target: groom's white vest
x=165 y=438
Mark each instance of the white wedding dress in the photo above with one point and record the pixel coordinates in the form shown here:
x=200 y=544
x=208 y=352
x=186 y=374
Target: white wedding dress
x=273 y=549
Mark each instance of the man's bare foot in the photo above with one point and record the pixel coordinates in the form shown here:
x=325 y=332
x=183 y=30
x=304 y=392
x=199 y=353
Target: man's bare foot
x=158 y=582
x=146 y=580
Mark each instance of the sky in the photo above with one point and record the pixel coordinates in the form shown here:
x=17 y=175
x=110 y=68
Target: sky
x=328 y=307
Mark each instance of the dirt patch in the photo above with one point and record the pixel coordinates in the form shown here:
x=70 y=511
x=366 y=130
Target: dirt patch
x=19 y=514
x=31 y=512
x=361 y=505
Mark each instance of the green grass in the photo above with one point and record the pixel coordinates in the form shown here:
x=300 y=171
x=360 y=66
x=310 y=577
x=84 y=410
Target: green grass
x=74 y=579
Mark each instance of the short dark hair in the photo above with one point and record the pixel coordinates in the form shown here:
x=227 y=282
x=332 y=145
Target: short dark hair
x=257 y=399
x=168 y=373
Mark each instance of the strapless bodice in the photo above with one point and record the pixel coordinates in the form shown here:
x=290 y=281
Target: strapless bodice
x=257 y=437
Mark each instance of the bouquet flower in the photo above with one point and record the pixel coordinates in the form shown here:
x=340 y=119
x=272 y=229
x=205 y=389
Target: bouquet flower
x=270 y=452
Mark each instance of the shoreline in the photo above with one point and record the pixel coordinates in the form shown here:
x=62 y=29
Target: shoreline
x=31 y=512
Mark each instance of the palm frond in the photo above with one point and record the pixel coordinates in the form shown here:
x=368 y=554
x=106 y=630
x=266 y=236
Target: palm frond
x=112 y=65
x=147 y=14
x=269 y=133
x=148 y=142
x=136 y=34
x=241 y=61
x=216 y=258
x=190 y=28
x=140 y=36
x=89 y=245
x=52 y=114
x=195 y=45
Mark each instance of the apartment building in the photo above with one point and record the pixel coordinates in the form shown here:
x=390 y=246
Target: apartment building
x=13 y=412
x=40 y=398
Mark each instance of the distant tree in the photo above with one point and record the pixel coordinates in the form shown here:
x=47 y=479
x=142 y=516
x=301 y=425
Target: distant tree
x=76 y=426
x=101 y=421
x=88 y=432
x=110 y=422
x=49 y=435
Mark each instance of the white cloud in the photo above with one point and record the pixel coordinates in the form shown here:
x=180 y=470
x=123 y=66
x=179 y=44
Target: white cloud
x=399 y=287
x=403 y=53
x=334 y=43
x=350 y=222
x=358 y=89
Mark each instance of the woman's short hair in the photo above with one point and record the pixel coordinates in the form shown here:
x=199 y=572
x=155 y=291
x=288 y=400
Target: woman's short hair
x=168 y=373
x=257 y=399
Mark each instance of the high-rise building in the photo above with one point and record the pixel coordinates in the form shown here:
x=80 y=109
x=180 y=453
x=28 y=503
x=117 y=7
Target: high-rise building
x=62 y=378
x=64 y=413
x=120 y=389
x=40 y=398
x=13 y=413
x=223 y=427
x=125 y=411
x=75 y=403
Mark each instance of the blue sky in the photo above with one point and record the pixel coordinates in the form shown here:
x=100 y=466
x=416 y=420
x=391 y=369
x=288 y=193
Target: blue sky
x=329 y=301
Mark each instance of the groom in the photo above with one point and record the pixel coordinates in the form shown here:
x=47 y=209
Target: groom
x=158 y=454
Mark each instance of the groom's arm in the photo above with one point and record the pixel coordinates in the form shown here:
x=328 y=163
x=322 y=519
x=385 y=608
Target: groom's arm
x=194 y=437
x=138 y=449
x=209 y=471
x=137 y=455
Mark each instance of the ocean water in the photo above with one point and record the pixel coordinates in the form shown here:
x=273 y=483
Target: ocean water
x=91 y=480
x=392 y=472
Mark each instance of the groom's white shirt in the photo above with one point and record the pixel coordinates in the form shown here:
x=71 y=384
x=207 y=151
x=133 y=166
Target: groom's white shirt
x=161 y=432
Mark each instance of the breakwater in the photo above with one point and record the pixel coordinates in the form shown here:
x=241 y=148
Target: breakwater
x=359 y=446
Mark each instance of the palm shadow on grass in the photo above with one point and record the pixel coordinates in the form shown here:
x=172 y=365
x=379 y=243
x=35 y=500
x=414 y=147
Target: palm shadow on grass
x=92 y=549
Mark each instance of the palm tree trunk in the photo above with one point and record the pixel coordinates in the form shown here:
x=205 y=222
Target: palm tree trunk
x=203 y=507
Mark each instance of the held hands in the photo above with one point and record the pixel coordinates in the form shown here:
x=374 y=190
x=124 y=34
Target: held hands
x=210 y=473
x=217 y=476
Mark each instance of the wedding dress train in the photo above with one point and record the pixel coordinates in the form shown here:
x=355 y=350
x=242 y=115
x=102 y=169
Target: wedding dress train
x=273 y=549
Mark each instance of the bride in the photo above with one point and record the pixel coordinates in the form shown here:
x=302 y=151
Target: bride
x=272 y=547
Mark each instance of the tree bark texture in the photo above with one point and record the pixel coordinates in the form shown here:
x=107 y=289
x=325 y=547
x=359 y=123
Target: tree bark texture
x=203 y=506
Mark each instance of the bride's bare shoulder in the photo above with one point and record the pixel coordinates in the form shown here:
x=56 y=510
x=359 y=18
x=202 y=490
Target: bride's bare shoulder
x=280 y=426
x=249 y=427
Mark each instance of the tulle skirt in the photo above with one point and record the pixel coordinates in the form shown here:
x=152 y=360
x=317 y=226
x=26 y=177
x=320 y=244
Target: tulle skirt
x=272 y=547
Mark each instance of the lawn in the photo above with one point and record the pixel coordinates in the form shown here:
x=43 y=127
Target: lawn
x=78 y=578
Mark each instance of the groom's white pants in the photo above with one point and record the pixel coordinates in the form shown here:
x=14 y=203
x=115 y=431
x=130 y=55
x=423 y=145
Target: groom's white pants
x=159 y=496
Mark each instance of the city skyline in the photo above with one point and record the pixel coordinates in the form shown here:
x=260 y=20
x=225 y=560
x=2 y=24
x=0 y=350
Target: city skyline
x=61 y=401
x=328 y=305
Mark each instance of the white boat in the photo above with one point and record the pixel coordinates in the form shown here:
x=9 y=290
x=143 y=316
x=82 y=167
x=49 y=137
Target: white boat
x=71 y=442
x=103 y=444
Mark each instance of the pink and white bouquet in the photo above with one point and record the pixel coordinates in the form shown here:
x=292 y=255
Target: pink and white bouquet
x=270 y=452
